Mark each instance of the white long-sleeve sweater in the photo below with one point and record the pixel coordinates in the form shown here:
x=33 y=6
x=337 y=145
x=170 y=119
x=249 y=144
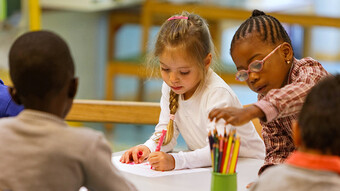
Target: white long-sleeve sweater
x=191 y=120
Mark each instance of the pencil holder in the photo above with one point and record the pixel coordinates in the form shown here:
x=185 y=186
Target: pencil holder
x=223 y=182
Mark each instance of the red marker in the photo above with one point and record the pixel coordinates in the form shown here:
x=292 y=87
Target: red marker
x=160 y=142
x=161 y=139
x=140 y=154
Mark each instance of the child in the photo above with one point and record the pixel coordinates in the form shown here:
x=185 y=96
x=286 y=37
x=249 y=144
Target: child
x=39 y=151
x=190 y=90
x=316 y=164
x=8 y=107
x=262 y=52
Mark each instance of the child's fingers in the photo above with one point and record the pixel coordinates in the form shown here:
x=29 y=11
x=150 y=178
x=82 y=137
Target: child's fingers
x=213 y=113
x=154 y=164
x=249 y=185
x=222 y=115
x=134 y=155
x=125 y=157
x=153 y=157
x=122 y=158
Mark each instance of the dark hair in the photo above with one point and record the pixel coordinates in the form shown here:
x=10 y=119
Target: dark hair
x=320 y=116
x=40 y=63
x=266 y=26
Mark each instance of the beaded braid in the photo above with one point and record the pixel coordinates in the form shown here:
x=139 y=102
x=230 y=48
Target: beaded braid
x=173 y=105
x=265 y=25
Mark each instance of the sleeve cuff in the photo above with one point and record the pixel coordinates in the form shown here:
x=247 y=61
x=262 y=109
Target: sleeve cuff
x=151 y=145
x=179 y=162
x=269 y=110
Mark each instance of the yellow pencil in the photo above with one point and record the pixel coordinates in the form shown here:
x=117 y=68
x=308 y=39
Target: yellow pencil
x=235 y=156
x=225 y=164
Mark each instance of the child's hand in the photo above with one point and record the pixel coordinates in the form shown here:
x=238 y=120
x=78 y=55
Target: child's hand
x=161 y=161
x=136 y=154
x=236 y=116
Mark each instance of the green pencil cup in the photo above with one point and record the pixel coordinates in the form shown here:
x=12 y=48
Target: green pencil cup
x=223 y=182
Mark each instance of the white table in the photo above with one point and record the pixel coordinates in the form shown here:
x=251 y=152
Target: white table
x=198 y=181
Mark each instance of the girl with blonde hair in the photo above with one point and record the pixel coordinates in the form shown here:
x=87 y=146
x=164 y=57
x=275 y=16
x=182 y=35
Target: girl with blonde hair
x=191 y=89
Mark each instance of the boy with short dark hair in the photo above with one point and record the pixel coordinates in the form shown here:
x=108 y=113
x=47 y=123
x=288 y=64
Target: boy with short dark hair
x=38 y=149
x=316 y=164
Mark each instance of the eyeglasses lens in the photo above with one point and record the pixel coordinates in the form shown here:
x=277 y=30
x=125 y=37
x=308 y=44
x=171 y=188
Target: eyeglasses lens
x=242 y=75
x=255 y=66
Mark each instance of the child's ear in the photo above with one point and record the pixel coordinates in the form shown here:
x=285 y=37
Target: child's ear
x=13 y=92
x=207 y=61
x=72 y=91
x=287 y=51
x=296 y=134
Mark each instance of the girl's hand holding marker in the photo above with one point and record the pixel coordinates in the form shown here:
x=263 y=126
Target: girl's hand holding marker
x=161 y=160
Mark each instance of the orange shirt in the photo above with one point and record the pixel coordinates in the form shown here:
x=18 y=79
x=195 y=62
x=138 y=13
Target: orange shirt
x=314 y=161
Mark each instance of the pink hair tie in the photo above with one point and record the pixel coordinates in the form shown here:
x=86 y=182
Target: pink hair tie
x=177 y=17
x=172 y=117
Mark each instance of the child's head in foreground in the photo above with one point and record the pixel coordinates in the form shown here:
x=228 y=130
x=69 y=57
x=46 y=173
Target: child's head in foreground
x=184 y=50
x=42 y=70
x=318 y=127
x=262 y=52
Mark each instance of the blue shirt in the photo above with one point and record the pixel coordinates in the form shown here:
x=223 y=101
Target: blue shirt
x=7 y=106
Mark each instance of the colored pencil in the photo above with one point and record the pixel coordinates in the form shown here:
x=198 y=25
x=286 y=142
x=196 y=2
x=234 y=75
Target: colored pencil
x=231 y=153
x=225 y=164
x=216 y=157
x=211 y=143
x=235 y=156
x=220 y=154
x=224 y=151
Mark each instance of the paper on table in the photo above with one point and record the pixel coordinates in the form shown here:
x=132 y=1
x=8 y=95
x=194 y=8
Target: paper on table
x=143 y=169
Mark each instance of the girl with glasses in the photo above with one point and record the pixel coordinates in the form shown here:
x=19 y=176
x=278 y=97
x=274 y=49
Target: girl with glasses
x=262 y=52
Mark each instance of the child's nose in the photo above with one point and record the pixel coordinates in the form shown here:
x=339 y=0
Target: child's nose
x=253 y=77
x=173 y=77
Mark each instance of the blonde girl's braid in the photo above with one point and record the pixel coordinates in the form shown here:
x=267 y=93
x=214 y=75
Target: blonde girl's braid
x=173 y=105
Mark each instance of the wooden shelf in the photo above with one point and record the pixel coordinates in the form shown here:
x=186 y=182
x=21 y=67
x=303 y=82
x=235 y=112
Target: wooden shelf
x=88 y=5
